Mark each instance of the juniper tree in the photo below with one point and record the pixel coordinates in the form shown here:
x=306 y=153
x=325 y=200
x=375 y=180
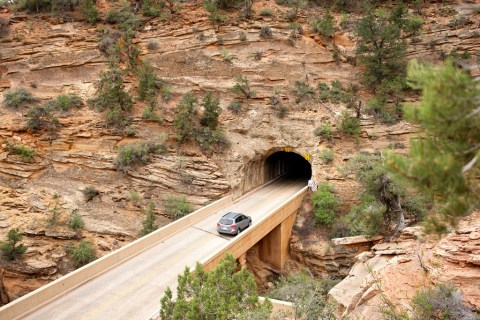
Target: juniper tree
x=385 y=199
x=381 y=49
x=211 y=112
x=218 y=294
x=185 y=119
x=10 y=250
x=444 y=161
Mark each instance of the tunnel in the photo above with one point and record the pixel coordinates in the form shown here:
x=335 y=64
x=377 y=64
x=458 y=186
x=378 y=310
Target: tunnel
x=289 y=164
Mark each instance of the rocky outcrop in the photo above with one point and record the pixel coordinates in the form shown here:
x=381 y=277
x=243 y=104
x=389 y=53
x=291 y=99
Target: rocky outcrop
x=394 y=271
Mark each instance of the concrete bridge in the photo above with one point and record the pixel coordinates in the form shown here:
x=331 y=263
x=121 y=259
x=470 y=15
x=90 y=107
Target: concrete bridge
x=128 y=283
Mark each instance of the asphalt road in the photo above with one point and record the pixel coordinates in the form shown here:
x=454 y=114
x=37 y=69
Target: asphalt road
x=132 y=290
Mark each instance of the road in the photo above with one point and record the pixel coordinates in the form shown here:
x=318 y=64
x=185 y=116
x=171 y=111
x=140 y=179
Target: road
x=132 y=290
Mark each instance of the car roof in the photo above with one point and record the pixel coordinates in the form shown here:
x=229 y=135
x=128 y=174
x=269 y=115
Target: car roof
x=231 y=215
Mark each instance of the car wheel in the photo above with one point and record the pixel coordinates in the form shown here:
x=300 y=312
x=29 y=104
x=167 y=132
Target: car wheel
x=250 y=224
x=238 y=231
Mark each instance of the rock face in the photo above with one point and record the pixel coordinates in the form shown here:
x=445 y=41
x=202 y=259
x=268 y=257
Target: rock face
x=50 y=57
x=394 y=271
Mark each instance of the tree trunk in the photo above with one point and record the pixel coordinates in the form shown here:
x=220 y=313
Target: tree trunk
x=400 y=218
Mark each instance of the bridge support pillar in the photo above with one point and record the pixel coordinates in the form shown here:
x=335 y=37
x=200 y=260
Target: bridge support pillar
x=274 y=246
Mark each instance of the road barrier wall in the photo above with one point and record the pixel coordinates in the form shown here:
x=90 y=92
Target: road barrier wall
x=33 y=300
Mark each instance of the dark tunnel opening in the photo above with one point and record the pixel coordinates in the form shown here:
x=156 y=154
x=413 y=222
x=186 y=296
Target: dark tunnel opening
x=290 y=164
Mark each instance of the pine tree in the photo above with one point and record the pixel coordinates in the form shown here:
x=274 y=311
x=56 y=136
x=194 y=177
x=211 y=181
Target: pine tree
x=10 y=249
x=211 y=112
x=444 y=161
x=219 y=294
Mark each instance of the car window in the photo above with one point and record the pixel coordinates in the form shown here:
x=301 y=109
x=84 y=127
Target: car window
x=226 y=221
x=239 y=219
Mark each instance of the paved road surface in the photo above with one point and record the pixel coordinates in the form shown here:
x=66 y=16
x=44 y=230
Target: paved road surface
x=133 y=289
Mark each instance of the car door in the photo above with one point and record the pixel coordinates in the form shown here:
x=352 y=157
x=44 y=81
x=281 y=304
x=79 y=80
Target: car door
x=239 y=222
x=244 y=222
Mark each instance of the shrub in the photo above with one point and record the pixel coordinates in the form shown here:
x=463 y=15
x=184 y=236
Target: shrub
x=152 y=8
x=325 y=204
x=443 y=301
x=235 y=106
x=76 y=222
x=108 y=40
x=324 y=26
x=325 y=131
x=10 y=250
x=149 y=221
x=149 y=113
x=323 y=91
x=211 y=140
x=211 y=111
x=166 y=93
x=243 y=36
x=226 y=4
x=177 y=207
x=134 y=197
x=125 y=18
x=281 y=111
x=18 y=98
x=112 y=97
x=185 y=118
x=350 y=125
x=152 y=45
x=148 y=81
x=4 y=27
x=66 y=102
x=82 y=254
x=243 y=87
x=54 y=216
x=89 y=11
x=25 y=153
x=326 y=155
x=266 y=12
x=89 y=193
x=226 y=56
x=41 y=119
x=138 y=153
x=266 y=32
x=308 y=295
x=303 y=90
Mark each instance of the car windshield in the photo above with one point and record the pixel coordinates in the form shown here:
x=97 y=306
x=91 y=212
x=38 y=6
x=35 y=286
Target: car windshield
x=226 y=221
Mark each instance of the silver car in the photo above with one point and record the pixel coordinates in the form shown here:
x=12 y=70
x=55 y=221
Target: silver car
x=233 y=223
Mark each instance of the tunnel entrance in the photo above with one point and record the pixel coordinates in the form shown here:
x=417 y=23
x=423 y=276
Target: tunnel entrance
x=290 y=164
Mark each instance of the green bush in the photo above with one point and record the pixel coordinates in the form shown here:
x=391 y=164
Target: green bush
x=148 y=82
x=266 y=32
x=152 y=8
x=149 y=221
x=350 y=125
x=303 y=90
x=326 y=155
x=185 y=118
x=211 y=113
x=108 y=40
x=308 y=295
x=325 y=204
x=211 y=141
x=138 y=153
x=242 y=87
x=177 y=207
x=89 y=11
x=25 y=153
x=323 y=91
x=18 y=98
x=267 y=12
x=324 y=26
x=82 y=254
x=89 y=193
x=41 y=118
x=235 y=106
x=65 y=102
x=10 y=250
x=112 y=97
x=76 y=222
x=125 y=18
x=325 y=131
x=443 y=301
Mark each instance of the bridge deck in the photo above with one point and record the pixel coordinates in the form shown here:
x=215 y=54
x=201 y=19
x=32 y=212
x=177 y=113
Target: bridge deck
x=132 y=290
